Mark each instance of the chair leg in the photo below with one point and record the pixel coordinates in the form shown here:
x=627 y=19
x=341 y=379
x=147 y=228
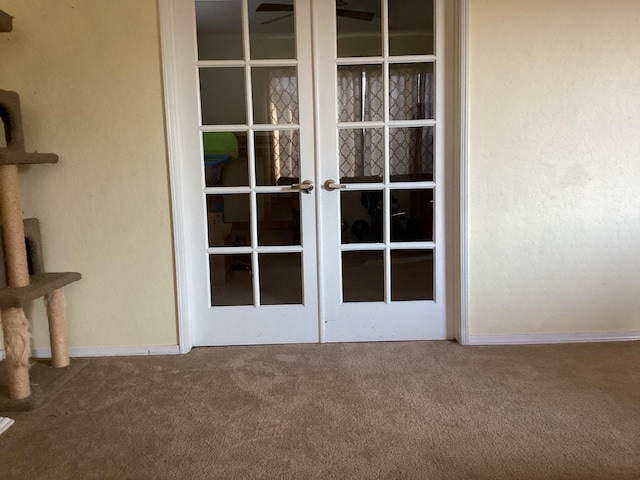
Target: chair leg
x=56 y=313
x=17 y=347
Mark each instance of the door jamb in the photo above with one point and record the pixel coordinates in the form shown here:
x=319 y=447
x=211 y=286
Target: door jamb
x=168 y=42
x=461 y=108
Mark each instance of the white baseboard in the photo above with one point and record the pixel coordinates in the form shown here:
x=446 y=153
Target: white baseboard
x=78 y=352
x=515 y=339
x=548 y=338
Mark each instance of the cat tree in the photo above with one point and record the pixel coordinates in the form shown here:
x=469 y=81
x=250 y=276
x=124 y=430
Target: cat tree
x=6 y=22
x=22 y=275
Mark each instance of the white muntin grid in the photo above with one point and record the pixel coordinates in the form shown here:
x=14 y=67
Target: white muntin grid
x=386 y=186
x=250 y=128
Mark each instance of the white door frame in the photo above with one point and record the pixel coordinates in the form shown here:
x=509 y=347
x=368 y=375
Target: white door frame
x=184 y=249
x=461 y=156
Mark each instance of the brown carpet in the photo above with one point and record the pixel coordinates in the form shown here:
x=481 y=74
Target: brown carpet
x=423 y=410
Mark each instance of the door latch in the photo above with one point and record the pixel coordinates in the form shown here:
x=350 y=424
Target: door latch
x=306 y=186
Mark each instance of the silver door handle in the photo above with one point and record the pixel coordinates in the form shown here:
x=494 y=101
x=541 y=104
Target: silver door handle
x=306 y=186
x=332 y=185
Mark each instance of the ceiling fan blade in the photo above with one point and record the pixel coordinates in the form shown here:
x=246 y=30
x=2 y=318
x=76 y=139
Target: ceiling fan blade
x=274 y=7
x=366 y=16
x=276 y=19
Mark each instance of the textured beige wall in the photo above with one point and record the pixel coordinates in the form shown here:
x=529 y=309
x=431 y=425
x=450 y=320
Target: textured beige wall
x=554 y=148
x=89 y=76
x=554 y=170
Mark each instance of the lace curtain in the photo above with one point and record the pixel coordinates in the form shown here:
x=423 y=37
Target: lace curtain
x=361 y=98
x=360 y=91
x=411 y=97
x=283 y=109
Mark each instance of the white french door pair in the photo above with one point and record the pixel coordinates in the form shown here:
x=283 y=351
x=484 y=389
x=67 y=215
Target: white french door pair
x=308 y=169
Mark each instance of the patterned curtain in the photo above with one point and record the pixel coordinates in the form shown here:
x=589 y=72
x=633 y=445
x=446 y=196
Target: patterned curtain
x=411 y=151
x=361 y=98
x=411 y=97
x=283 y=109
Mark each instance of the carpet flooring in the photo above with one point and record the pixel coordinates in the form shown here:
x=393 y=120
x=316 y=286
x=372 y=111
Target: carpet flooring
x=415 y=410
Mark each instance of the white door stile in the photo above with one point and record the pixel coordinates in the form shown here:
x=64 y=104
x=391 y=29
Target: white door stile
x=326 y=152
x=440 y=194
x=319 y=152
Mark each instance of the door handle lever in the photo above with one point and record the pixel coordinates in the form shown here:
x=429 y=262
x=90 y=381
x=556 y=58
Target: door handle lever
x=306 y=186
x=332 y=185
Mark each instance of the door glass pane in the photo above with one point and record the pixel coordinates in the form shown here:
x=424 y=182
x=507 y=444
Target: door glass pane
x=361 y=216
x=411 y=154
x=412 y=215
x=412 y=275
x=281 y=278
x=363 y=276
x=411 y=91
x=275 y=95
x=360 y=93
x=279 y=218
x=219 y=27
x=222 y=96
x=228 y=220
x=277 y=157
x=272 y=29
x=225 y=159
x=361 y=154
x=359 y=27
x=411 y=27
x=230 y=277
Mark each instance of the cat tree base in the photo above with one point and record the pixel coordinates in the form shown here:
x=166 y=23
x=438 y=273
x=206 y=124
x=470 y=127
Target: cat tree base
x=15 y=326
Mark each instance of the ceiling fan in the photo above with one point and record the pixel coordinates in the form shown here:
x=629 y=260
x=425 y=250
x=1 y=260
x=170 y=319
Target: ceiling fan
x=341 y=12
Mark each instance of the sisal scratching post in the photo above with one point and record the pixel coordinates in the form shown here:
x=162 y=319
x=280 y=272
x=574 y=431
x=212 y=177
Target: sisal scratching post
x=15 y=325
x=56 y=313
x=15 y=328
x=15 y=252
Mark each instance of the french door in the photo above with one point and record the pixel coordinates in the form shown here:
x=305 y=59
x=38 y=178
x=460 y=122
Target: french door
x=308 y=169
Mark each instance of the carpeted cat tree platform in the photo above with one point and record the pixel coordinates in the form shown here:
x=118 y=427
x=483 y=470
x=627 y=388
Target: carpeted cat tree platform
x=22 y=275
